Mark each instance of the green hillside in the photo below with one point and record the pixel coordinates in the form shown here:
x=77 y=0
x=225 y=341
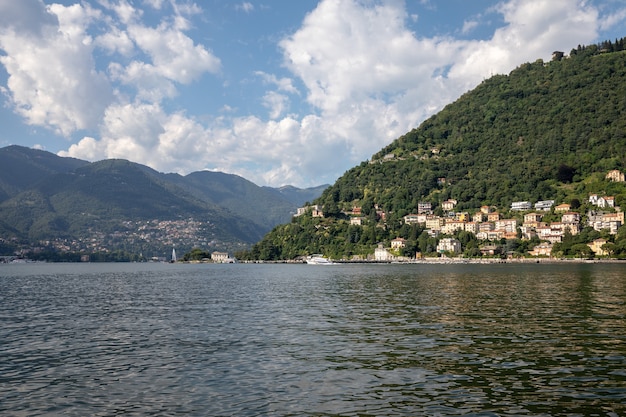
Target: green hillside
x=240 y=197
x=547 y=131
x=21 y=168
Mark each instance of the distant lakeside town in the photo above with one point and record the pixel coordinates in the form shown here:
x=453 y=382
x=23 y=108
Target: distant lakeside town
x=524 y=221
x=99 y=246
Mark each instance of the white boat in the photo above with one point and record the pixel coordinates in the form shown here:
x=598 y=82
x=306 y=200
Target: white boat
x=318 y=260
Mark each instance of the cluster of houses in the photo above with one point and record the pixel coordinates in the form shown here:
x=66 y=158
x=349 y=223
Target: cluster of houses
x=489 y=225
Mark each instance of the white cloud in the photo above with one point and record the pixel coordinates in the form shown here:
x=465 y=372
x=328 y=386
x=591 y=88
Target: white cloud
x=27 y=17
x=468 y=26
x=174 y=55
x=534 y=29
x=283 y=84
x=187 y=8
x=363 y=69
x=52 y=77
x=155 y=4
x=285 y=151
x=612 y=20
x=174 y=58
x=116 y=41
x=49 y=56
x=123 y=9
x=245 y=7
x=276 y=103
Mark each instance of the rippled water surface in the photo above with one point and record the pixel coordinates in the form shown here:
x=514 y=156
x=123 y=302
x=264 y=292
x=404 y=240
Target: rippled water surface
x=278 y=340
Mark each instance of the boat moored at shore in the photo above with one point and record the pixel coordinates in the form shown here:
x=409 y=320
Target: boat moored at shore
x=319 y=260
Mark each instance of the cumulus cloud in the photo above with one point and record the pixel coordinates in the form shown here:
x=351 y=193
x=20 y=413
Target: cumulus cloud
x=173 y=57
x=28 y=17
x=173 y=54
x=49 y=56
x=276 y=103
x=52 y=79
x=116 y=41
x=124 y=10
x=144 y=133
x=177 y=143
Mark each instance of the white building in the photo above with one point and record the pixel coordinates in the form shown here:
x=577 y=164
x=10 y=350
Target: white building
x=507 y=225
x=448 y=204
x=544 y=205
x=424 y=207
x=356 y=221
x=220 y=257
x=521 y=205
x=316 y=211
x=608 y=201
x=398 y=243
x=449 y=245
x=570 y=217
x=413 y=219
x=382 y=254
x=434 y=223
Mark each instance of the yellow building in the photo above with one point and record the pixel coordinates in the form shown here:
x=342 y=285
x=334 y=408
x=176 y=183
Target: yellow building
x=596 y=247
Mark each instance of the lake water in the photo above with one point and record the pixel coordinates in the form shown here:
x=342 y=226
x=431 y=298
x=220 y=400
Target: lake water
x=303 y=340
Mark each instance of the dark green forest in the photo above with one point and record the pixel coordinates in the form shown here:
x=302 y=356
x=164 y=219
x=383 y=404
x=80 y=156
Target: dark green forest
x=546 y=131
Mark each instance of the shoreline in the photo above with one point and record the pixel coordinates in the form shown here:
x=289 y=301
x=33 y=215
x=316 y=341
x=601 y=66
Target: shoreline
x=456 y=261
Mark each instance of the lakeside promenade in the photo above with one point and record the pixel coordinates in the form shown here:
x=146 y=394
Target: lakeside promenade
x=445 y=261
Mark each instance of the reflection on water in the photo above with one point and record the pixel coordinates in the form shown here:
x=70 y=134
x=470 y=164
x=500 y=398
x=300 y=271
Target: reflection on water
x=252 y=340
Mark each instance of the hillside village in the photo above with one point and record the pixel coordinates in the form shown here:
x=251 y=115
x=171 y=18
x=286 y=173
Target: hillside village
x=166 y=234
x=523 y=220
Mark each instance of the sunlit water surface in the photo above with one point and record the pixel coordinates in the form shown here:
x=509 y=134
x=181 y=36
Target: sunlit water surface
x=279 y=340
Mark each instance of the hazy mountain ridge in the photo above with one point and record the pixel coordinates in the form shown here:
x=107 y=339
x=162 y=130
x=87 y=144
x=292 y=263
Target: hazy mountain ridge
x=58 y=198
x=299 y=195
x=21 y=168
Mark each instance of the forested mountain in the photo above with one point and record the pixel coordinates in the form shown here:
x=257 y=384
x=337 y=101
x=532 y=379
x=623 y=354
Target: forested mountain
x=21 y=168
x=546 y=131
x=64 y=204
x=298 y=195
x=262 y=205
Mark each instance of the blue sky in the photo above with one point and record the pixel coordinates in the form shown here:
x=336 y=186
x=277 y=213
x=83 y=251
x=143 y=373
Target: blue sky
x=277 y=91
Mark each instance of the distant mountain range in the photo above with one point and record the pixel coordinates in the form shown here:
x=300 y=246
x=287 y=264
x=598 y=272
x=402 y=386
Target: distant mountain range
x=49 y=203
